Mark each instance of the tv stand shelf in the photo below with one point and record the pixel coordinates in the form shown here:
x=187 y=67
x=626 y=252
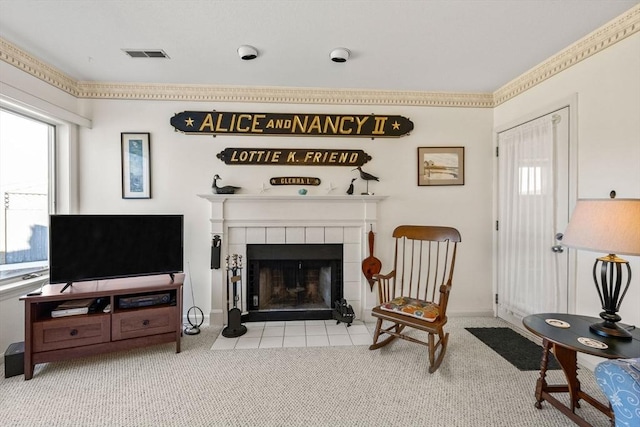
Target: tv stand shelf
x=49 y=339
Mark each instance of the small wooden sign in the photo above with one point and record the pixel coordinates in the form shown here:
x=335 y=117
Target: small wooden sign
x=294 y=180
x=293 y=157
x=343 y=125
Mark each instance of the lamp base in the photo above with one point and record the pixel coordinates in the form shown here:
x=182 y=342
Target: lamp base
x=610 y=330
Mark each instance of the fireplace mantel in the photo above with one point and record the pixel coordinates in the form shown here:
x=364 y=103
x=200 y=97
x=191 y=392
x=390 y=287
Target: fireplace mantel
x=285 y=197
x=241 y=219
x=252 y=210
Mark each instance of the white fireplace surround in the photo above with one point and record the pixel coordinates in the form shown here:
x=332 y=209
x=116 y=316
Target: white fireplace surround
x=262 y=219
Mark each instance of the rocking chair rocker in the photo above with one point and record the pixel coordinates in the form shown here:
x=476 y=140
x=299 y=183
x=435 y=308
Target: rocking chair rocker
x=422 y=265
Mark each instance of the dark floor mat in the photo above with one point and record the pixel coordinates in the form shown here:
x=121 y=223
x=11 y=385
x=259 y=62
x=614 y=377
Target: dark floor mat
x=518 y=350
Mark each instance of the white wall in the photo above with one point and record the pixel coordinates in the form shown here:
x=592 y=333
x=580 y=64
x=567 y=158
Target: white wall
x=182 y=166
x=608 y=91
x=608 y=144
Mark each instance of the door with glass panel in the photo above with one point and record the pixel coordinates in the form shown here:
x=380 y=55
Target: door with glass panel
x=533 y=209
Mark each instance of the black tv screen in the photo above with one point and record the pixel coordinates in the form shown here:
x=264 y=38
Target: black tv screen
x=93 y=247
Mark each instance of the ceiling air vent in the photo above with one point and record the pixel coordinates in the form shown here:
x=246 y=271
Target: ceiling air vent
x=151 y=53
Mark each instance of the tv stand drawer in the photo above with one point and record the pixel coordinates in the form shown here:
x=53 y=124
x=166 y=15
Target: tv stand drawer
x=144 y=322
x=72 y=331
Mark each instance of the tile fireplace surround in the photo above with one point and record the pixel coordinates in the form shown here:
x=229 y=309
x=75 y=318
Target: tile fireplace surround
x=263 y=219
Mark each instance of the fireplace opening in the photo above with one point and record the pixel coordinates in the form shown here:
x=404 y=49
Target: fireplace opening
x=293 y=281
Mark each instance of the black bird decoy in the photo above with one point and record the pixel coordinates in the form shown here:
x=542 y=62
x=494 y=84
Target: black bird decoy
x=227 y=189
x=366 y=177
x=350 y=189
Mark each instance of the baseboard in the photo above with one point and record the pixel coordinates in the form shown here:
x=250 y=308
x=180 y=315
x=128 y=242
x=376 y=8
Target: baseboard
x=487 y=313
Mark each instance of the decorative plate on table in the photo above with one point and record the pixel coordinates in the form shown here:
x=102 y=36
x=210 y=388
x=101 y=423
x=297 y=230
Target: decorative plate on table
x=590 y=342
x=558 y=323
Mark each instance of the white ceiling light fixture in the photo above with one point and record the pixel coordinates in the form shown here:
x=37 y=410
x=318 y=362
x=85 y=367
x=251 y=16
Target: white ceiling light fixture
x=340 y=54
x=247 y=52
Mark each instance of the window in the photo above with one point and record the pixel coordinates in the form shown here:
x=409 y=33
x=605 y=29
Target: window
x=26 y=180
x=530 y=180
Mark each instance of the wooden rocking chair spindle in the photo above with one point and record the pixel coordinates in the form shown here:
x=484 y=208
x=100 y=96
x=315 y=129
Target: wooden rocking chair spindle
x=415 y=293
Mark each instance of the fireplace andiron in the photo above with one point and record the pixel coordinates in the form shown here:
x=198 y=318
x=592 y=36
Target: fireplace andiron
x=234 y=327
x=342 y=312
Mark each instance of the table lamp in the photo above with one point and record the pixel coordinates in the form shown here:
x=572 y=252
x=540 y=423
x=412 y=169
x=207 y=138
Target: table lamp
x=611 y=226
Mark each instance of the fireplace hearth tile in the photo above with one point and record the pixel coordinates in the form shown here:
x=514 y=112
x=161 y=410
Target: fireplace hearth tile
x=274 y=324
x=270 y=342
x=223 y=343
x=250 y=325
x=297 y=333
x=274 y=331
x=294 y=330
x=357 y=329
x=294 y=323
x=254 y=332
x=314 y=330
x=294 y=341
x=247 y=343
x=314 y=322
x=317 y=341
x=334 y=329
x=339 y=340
x=361 y=339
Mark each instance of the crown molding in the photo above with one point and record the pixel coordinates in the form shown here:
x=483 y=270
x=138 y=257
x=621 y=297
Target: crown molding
x=609 y=34
x=616 y=30
x=288 y=95
x=20 y=59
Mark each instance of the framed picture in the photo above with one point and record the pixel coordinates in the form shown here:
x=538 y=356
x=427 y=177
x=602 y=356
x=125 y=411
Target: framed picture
x=136 y=167
x=440 y=165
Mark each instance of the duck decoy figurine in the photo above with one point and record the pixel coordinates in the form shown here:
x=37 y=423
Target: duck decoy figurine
x=366 y=177
x=350 y=189
x=227 y=189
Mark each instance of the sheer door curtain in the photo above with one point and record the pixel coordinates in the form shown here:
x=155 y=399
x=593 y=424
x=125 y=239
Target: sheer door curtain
x=527 y=267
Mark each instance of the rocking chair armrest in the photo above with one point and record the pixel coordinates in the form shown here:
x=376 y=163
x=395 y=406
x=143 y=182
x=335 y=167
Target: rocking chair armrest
x=388 y=276
x=384 y=286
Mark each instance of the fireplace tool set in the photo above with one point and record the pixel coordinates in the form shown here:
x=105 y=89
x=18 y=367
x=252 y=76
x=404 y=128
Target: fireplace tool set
x=234 y=328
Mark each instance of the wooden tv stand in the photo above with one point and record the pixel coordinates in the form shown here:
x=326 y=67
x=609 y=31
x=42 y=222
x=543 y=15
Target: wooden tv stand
x=49 y=339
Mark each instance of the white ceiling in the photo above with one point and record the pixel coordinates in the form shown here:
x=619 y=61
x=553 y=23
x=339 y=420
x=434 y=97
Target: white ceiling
x=423 y=45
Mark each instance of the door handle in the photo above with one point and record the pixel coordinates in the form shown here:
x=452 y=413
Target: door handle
x=557 y=249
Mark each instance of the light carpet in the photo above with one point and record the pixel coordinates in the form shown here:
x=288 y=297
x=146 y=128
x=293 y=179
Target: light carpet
x=307 y=386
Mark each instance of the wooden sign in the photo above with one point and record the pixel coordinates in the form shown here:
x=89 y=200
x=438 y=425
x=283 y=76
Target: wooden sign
x=294 y=180
x=220 y=123
x=293 y=157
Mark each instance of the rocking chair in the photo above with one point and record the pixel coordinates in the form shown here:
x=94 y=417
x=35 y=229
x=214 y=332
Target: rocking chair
x=422 y=265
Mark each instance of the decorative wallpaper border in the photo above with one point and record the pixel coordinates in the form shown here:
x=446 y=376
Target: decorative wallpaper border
x=616 y=30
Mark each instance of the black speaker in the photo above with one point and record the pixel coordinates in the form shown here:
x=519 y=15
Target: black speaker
x=14 y=360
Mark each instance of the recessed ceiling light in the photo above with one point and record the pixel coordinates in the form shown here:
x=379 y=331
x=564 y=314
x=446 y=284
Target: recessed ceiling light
x=340 y=54
x=247 y=52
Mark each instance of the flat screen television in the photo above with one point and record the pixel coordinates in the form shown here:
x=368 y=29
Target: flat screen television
x=96 y=247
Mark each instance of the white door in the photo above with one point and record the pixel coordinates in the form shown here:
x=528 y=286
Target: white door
x=533 y=210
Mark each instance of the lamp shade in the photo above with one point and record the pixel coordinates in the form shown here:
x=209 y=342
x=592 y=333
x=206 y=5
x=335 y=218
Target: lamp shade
x=609 y=226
